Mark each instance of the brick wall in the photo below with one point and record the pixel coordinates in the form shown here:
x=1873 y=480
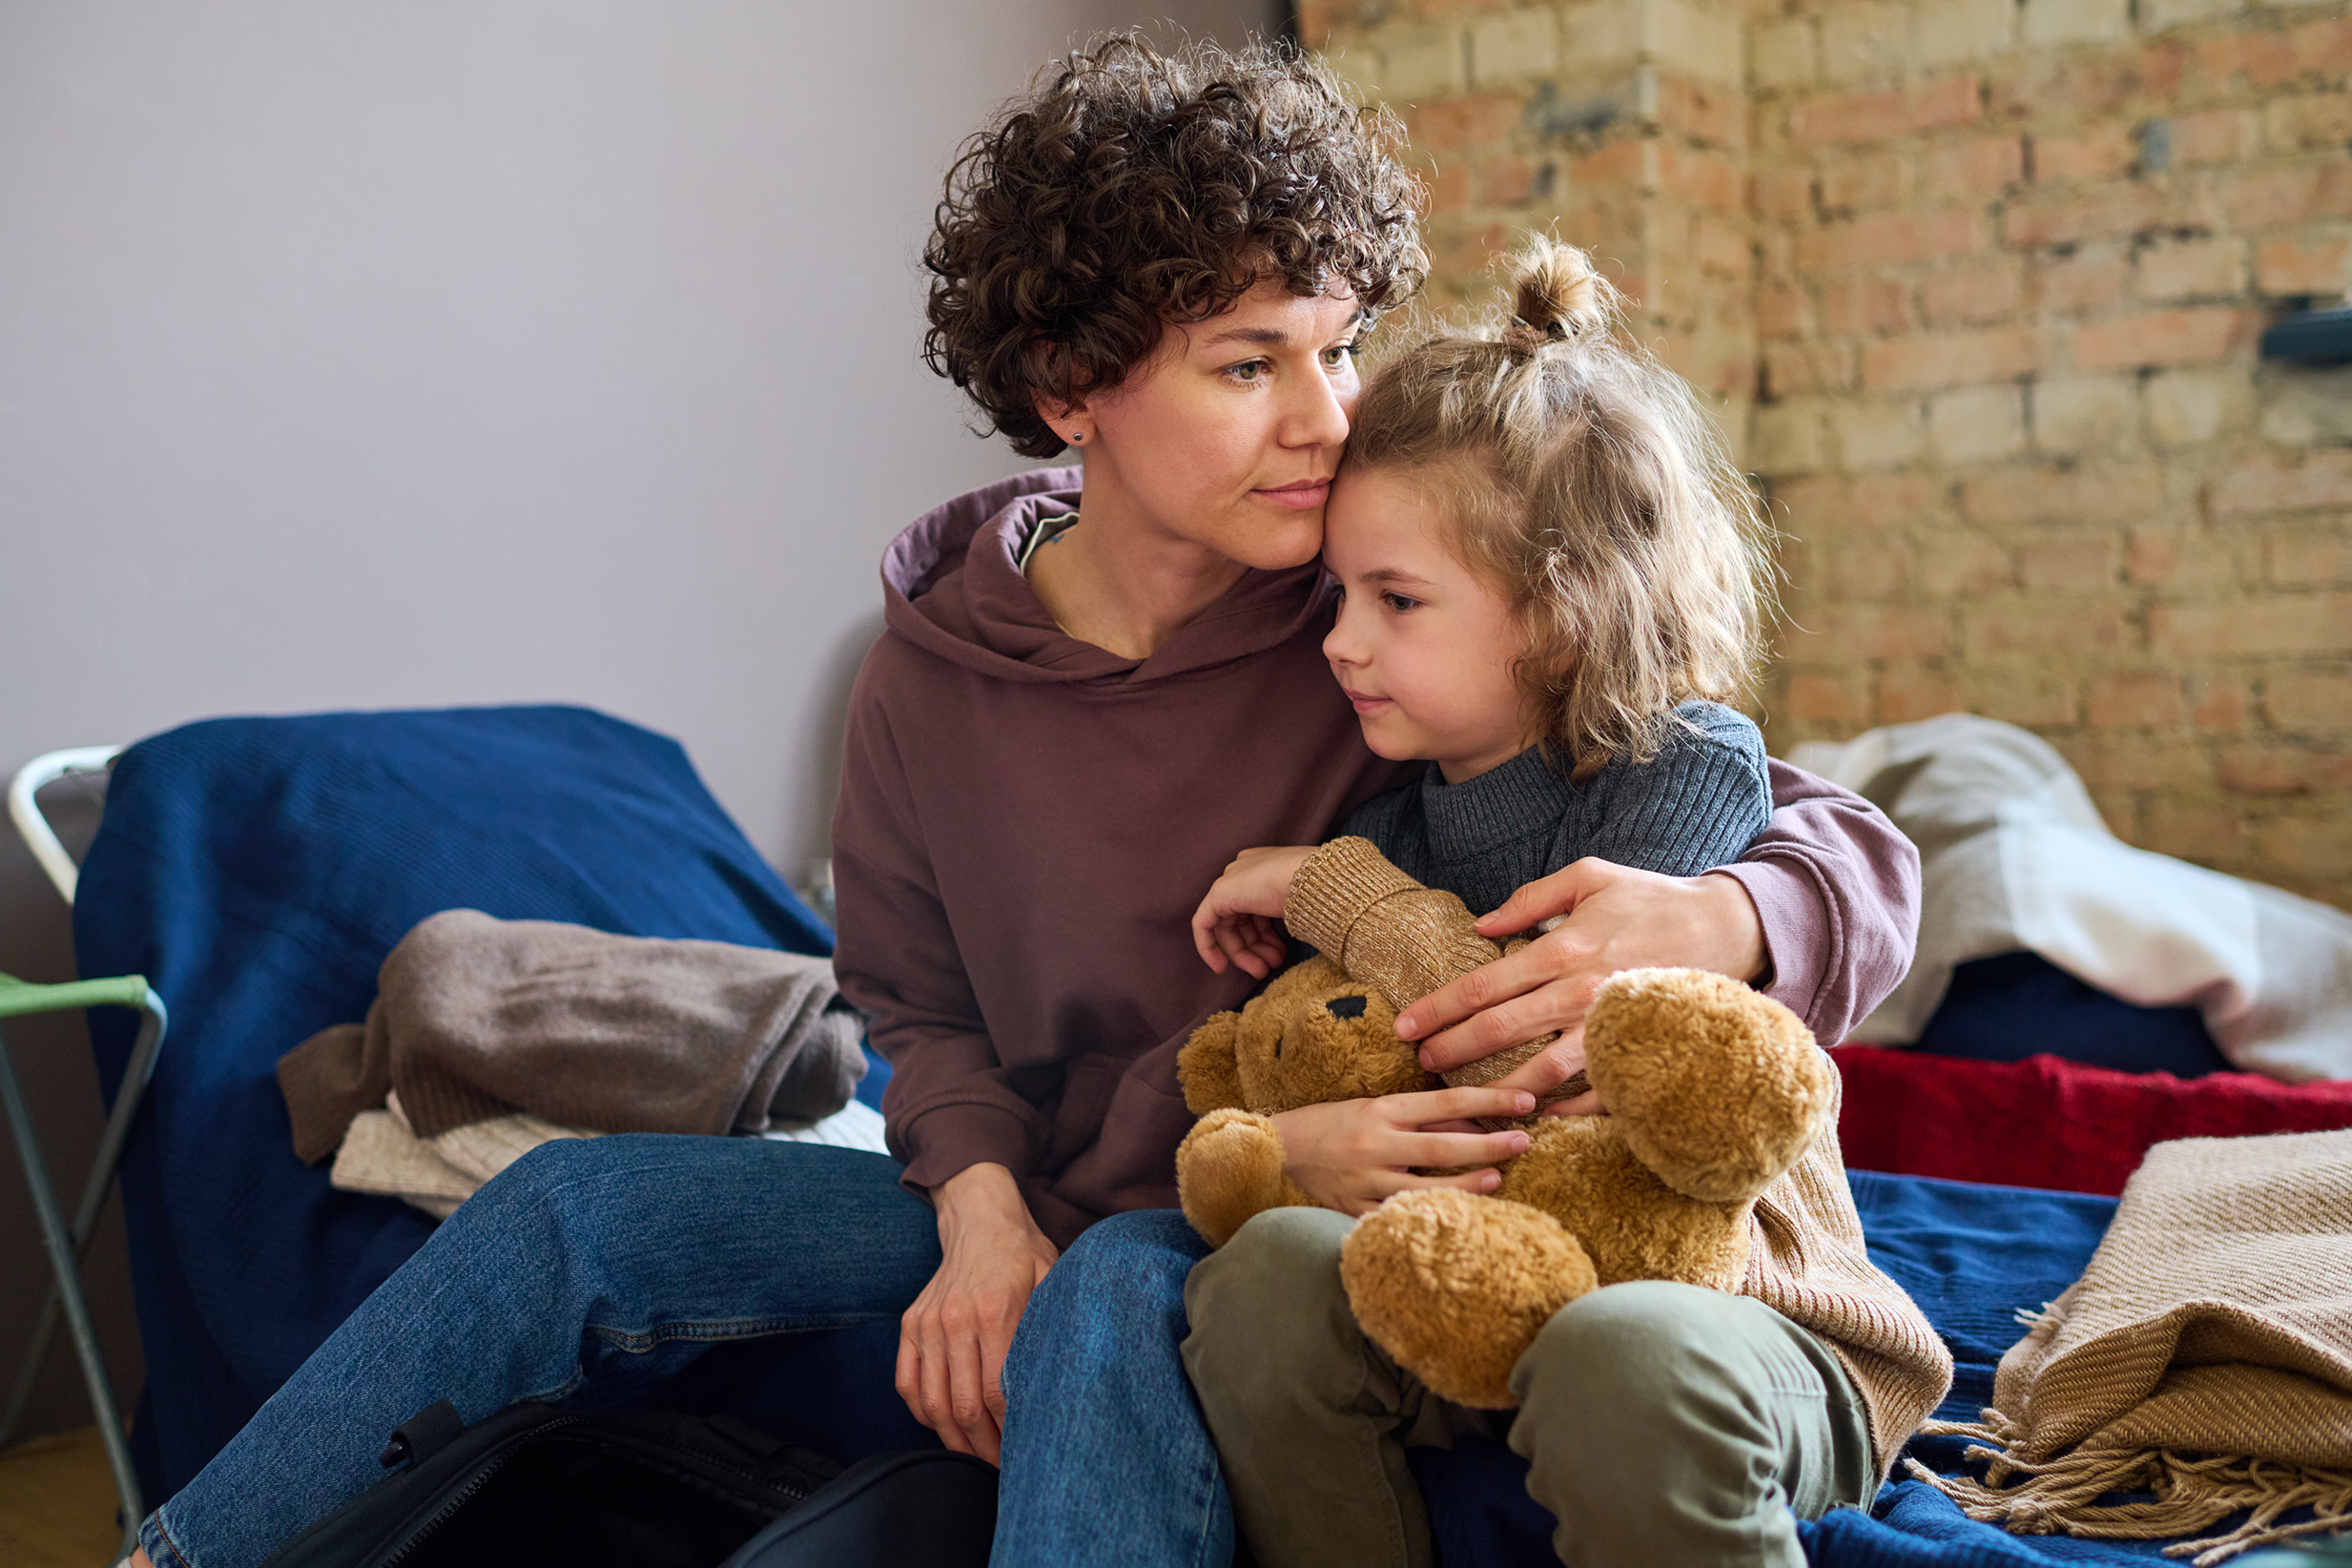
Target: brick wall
x=1979 y=283
x=1624 y=122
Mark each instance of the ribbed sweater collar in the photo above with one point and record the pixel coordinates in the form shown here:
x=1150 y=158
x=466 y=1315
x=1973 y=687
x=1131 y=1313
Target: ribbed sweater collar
x=1470 y=820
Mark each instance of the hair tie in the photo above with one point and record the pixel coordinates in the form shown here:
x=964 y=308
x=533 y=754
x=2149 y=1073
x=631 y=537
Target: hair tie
x=1524 y=338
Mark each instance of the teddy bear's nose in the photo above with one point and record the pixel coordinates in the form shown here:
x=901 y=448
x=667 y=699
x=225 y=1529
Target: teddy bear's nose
x=1345 y=1007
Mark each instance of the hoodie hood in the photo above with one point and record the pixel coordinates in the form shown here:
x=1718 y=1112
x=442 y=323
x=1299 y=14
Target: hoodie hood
x=950 y=587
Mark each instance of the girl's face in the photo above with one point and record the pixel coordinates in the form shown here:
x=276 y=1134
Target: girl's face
x=1228 y=439
x=1423 y=647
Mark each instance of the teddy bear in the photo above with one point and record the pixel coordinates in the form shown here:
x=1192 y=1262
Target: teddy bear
x=1712 y=1090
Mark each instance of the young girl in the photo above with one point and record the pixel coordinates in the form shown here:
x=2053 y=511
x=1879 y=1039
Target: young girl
x=1550 y=583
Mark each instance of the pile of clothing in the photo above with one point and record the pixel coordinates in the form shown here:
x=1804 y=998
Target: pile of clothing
x=488 y=1037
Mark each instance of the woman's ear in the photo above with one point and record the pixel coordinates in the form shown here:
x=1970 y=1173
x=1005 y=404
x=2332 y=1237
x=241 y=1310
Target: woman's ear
x=1067 y=419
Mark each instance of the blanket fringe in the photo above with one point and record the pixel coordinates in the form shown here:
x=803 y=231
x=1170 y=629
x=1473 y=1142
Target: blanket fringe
x=2192 y=1493
x=2047 y=1317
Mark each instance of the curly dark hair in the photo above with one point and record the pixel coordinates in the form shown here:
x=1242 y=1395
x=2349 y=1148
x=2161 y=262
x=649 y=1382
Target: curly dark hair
x=1130 y=189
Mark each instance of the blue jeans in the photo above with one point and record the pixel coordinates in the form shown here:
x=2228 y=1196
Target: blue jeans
x=1106 y=1456
x=588 y=1272
x=593 y=1271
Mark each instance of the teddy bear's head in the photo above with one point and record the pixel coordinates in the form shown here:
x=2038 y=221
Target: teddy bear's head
x=1312 y=1035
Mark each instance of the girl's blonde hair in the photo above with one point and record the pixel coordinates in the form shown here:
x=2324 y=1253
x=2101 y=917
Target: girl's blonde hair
x=1589 y=487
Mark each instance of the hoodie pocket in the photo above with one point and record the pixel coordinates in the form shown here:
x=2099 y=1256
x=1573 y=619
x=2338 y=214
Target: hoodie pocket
x=1087 y=1089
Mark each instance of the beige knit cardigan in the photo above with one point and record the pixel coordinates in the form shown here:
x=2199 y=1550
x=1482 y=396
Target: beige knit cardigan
x=1805 y=1256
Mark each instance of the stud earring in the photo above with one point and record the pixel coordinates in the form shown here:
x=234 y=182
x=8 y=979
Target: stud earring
x=1077 y=438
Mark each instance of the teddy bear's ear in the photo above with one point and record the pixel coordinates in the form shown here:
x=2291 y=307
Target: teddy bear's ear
x=1207 y=1067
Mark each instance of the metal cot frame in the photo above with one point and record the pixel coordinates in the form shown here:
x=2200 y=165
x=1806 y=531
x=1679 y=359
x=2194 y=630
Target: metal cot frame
x=67 y=1245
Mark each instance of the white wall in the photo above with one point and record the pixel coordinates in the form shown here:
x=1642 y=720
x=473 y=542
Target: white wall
x=385 y=354
x=419 y=352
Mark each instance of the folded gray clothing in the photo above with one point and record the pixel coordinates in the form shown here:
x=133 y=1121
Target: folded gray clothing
x=477 y=1018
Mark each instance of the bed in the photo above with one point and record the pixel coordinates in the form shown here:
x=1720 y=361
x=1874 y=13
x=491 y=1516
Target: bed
x=256 y=871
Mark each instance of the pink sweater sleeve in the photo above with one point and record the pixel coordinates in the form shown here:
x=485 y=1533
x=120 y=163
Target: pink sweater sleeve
x=1837 y=886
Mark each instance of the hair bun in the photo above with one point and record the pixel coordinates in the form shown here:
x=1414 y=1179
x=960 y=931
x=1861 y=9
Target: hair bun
x=1557 y=292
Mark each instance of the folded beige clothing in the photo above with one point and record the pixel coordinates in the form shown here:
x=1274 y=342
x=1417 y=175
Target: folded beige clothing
x=382 y=1154
x=477 y=1018
x=2204 y=1356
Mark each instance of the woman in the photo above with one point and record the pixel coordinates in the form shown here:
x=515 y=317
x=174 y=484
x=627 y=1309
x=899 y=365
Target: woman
x=1092 y=691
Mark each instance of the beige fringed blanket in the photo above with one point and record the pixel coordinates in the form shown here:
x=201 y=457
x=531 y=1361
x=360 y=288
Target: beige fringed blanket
x=2204 y=1356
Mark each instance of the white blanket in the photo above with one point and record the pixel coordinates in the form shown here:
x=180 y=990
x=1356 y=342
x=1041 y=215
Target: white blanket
x=2014 y=856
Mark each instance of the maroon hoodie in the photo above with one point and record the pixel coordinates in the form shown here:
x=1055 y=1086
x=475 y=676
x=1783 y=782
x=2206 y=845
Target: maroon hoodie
x=1027 y=822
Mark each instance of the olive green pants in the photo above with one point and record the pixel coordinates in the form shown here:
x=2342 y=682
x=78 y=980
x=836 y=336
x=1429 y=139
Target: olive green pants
x=1662 y=1423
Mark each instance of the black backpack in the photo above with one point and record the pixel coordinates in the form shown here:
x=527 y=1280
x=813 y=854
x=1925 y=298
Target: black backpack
x=647 y=1489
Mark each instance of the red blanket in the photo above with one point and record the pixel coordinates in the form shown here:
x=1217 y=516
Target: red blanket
x=2050 y=1123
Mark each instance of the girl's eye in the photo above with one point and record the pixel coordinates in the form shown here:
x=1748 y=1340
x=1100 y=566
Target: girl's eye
x=1398 y=603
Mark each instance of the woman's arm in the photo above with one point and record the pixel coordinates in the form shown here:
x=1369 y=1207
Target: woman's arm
x=951 y=1112
x=951 y=1103
x=1836 y=889
x=1823 y=910
x=953 y=1341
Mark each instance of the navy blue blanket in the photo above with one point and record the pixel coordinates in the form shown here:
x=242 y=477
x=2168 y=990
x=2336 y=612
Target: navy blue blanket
x=256 y=872
x=1973 y=1256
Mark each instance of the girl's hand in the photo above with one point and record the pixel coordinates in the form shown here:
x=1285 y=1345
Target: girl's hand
x=1353 y=1154
x=1236 y=924
x=1615 y=918
x=952 y=1342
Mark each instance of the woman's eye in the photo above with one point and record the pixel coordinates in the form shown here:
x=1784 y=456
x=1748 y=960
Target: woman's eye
x=1338 y=355
x=1249 y=371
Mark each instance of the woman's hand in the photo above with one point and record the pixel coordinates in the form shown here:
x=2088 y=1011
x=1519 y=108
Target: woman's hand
x=952 y=1342
x=1236 y=924
x=1352 y=1154
x=1615 y=918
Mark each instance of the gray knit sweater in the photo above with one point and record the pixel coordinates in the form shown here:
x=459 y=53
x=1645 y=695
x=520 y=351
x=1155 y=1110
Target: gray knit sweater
x=1693 y=807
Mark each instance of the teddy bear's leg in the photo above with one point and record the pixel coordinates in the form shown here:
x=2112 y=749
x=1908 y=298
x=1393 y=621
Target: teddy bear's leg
x=1229 y=1168
x=1456 y=1287
x=1579 y=1170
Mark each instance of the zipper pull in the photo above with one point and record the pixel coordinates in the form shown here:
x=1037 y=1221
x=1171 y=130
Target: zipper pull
x=422 y=1435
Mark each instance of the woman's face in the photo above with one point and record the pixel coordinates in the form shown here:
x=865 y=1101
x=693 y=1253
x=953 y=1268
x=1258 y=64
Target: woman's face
x=1227 y=437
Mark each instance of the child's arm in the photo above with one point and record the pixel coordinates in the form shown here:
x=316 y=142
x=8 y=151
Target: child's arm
x=1236 y=924
x=1353 y=1155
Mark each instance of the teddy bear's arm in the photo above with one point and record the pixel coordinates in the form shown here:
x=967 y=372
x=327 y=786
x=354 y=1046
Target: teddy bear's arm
x=1398 y=936
x=1380 y=925
x=1228 y=1170
x=1208 y=1068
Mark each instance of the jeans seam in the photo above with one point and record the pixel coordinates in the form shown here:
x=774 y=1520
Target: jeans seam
x=1212 y=1471
x=163 y=1539
x=641 y=1341
x=1206 y=1516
